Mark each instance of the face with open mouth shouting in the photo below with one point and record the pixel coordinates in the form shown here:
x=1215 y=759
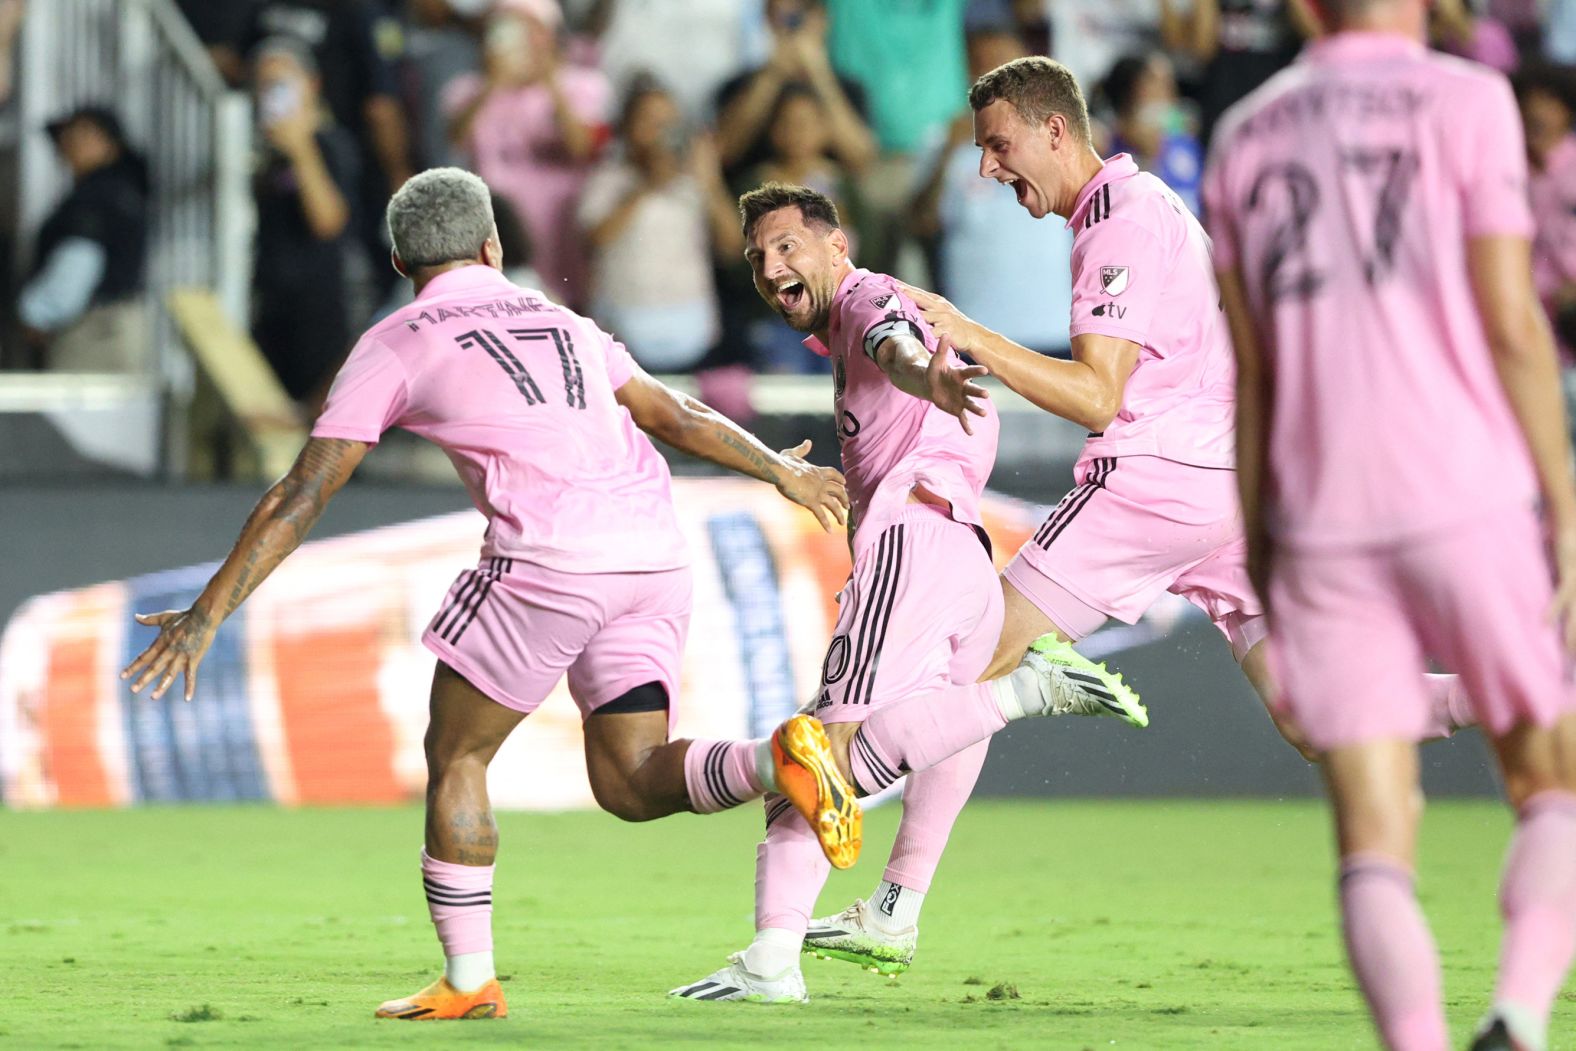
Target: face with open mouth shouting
x=795 y=265
x=1014 y=153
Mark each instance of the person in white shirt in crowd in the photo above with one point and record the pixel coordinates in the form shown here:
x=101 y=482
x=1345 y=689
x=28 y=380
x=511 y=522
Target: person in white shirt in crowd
x=655 y=214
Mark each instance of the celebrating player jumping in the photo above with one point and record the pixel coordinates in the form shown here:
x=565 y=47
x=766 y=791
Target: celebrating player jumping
x=583 y=568
x=922 y=610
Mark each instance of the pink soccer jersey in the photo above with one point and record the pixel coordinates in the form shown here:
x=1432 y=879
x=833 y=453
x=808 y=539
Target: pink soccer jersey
x=1142 y=272
x=892 y=441
x=1344 y=191
x=519 y=393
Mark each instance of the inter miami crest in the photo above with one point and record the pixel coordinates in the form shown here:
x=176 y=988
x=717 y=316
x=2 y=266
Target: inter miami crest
x=1113 y=280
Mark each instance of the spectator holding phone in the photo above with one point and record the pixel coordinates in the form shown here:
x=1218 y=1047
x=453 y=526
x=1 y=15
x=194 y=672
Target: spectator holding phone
x=305 y=183
x=655 y=215
x=748 y=104
x=532 y=124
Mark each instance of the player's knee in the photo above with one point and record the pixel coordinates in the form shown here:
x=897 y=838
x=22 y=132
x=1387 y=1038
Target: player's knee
x=446 y=752
x=624 y=802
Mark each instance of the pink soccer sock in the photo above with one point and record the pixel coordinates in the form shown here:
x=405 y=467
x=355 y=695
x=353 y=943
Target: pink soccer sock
x=1449 y=707
x=721 y=774
x=1392 y=953
x=917 y=734
x=932 y=801
x=1538 y=901
x=460 y=900
x=790 y=869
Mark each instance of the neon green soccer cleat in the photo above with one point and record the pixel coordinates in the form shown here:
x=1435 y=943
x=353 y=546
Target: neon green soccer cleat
x=1072 y=684
x=851 y=936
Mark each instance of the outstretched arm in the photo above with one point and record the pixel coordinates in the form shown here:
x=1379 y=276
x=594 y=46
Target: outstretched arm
x=276 y=527
x=692 y=426
x=931 y=377
x=1087 y=390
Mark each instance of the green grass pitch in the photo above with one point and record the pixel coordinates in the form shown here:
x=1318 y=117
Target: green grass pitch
x=1098 y=925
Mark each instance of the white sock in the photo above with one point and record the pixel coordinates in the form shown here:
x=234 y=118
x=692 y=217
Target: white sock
x=765 y=768
x=1018 y=694
x=1526 y=1028
x=773 y=952
x=469 y=971
x=894 y=907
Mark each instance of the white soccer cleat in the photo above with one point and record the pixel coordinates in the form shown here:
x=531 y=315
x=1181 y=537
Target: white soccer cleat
x=1072 y=684
x=852 y=935
x=735 y=982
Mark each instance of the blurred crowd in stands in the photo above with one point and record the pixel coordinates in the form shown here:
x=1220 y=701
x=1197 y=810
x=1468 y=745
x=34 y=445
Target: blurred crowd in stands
x=617 y=133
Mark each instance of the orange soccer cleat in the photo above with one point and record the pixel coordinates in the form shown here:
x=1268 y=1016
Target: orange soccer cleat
x=442 y=1000
x=808 y=775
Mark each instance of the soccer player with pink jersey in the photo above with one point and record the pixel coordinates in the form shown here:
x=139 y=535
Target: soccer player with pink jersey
x=583 y=568
x=1399 y=422
x=922 y=609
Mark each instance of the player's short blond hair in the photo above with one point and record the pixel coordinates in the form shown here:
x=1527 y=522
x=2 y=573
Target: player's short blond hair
x=1038 y=88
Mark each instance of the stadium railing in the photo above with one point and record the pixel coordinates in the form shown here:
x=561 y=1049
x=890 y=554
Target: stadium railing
x=142 y=58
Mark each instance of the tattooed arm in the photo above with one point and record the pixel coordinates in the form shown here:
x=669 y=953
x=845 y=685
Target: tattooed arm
x=276 y=527
x=694 y=427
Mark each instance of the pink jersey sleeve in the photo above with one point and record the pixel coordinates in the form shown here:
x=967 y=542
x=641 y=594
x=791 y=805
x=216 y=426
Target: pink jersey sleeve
x=876 y=312
x=1118 y=277
x=368 y=396
x=620 y=366
x=1493 y=162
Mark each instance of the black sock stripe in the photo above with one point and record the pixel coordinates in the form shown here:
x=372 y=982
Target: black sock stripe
x=712 y=768
x=878 y=581
x=428 y=881
x=880 y=764
x=776 y=810
x=723 y=790
x=869 y=684
x=438 y=899
x=879 y=770
x=451 y=892
x=709 y=774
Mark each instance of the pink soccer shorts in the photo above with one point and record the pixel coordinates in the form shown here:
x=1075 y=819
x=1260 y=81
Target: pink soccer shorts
x=513 y=629
x=1134 y=528
x=922 y=611
x=1354 y=631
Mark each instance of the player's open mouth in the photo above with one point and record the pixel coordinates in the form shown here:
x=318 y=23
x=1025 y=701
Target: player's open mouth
x=1020 y=189
x=790 y=294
